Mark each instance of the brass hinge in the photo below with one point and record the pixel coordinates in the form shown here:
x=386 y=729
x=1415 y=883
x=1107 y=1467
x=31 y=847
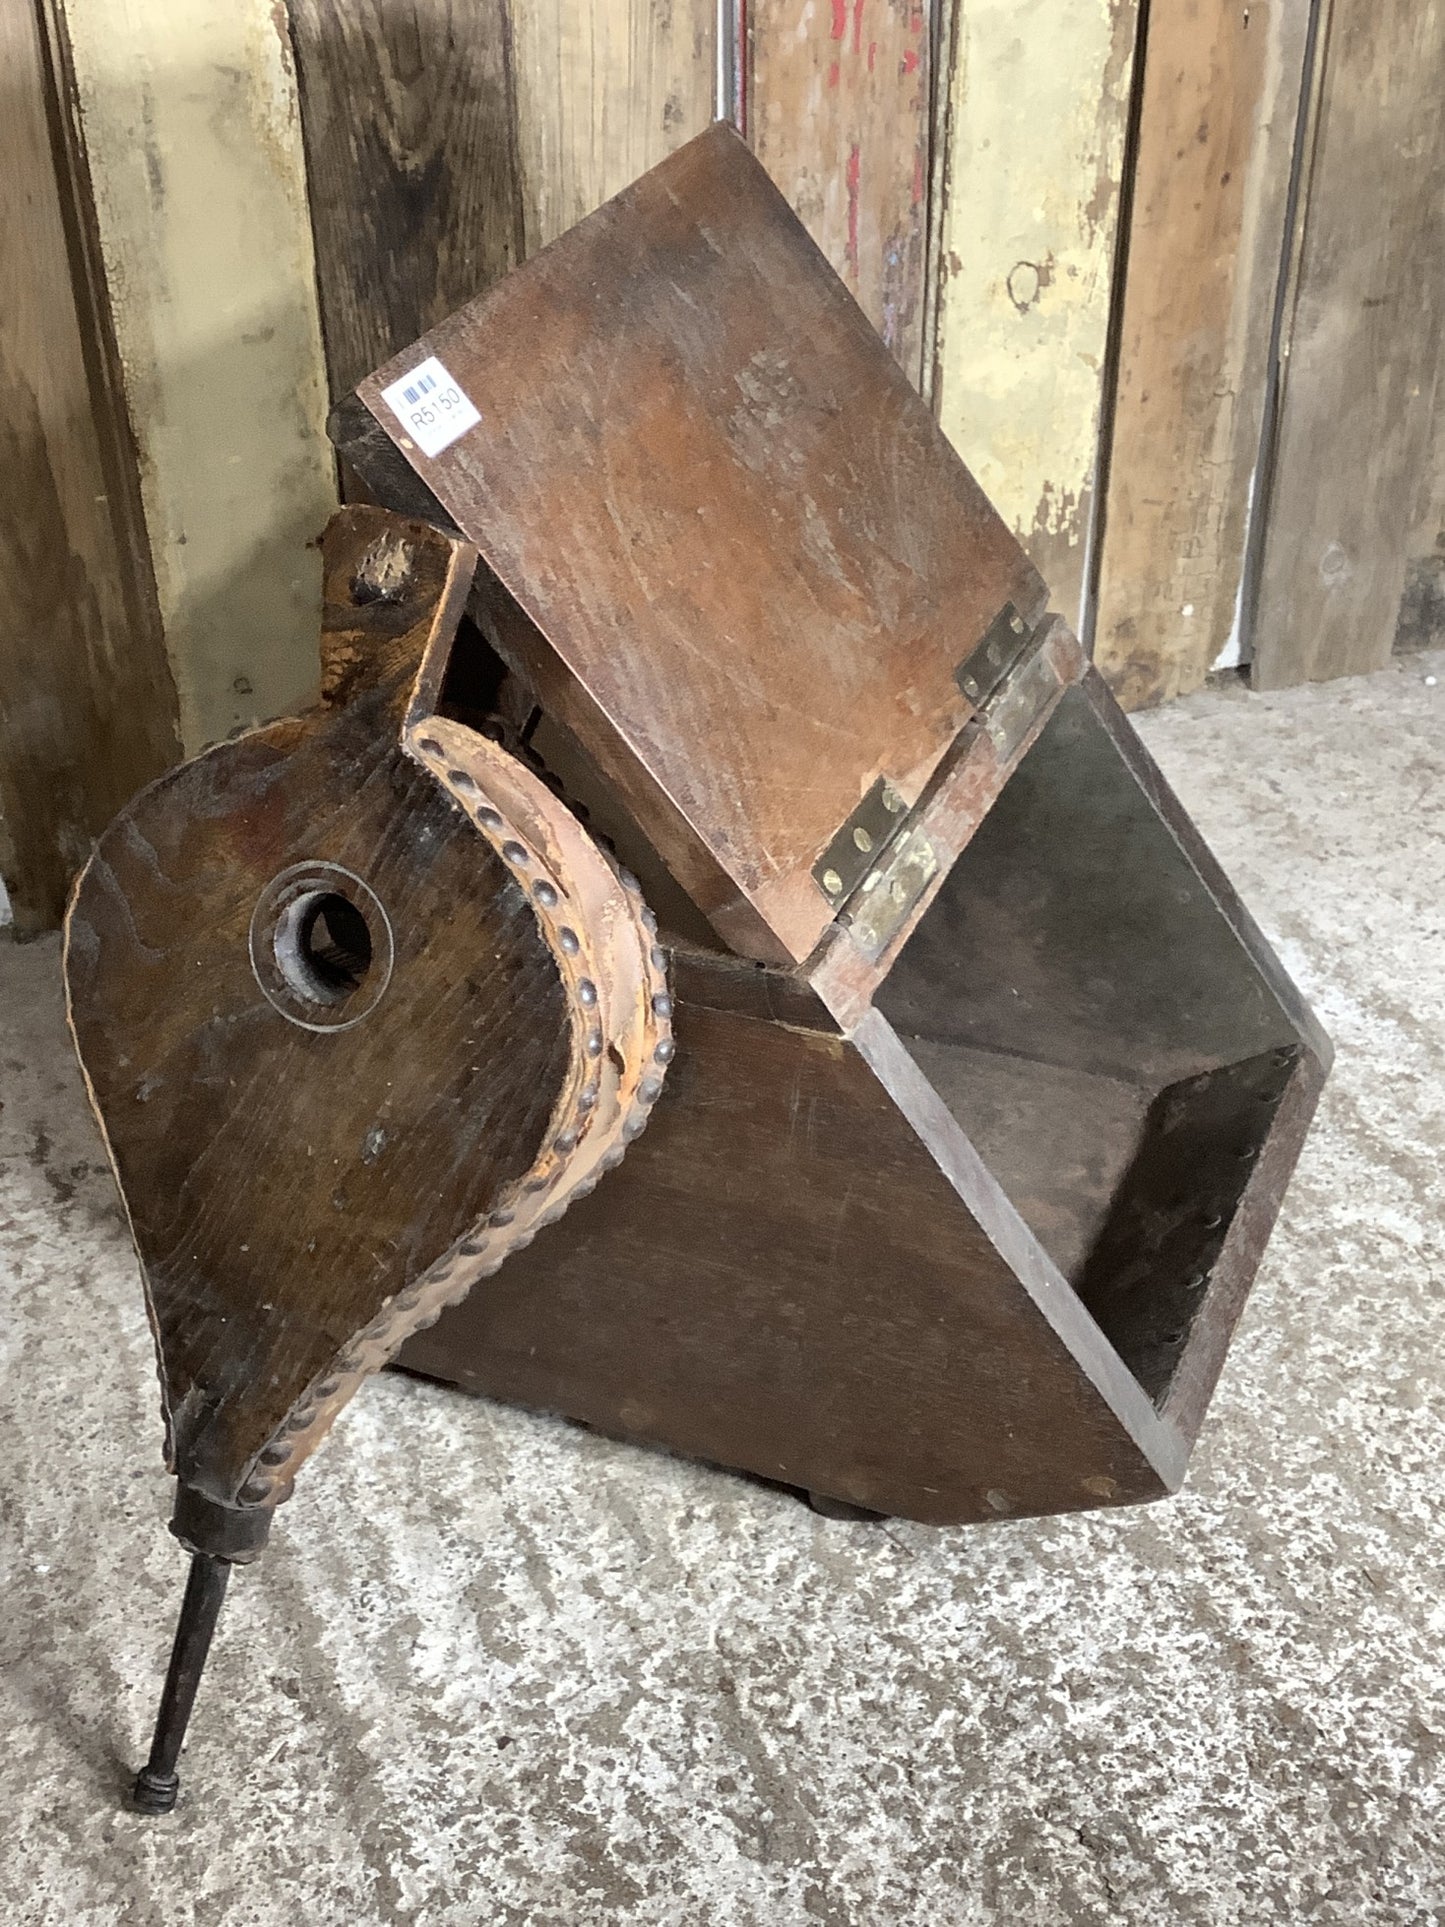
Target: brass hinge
x=878 y=867
x=858 y=846
x=982 y=671
x=888 y=894
x=880 y=862
x=1008 y=678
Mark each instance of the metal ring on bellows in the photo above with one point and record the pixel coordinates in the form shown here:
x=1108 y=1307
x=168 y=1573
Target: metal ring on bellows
x=602 y=938
x=275 y=947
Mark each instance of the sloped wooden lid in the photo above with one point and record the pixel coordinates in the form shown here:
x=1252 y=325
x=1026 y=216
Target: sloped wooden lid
x=752 y=561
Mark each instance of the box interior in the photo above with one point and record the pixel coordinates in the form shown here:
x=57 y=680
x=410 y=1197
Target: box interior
x=1099 y=1032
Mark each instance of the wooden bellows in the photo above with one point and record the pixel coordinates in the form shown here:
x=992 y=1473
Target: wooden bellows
x=361 y=1006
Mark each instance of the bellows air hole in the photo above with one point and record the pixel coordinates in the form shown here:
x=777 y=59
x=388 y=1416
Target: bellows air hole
x=323 y=947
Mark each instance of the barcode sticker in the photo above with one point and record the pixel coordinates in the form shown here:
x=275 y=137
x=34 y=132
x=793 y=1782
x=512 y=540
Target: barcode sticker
x=430 y=406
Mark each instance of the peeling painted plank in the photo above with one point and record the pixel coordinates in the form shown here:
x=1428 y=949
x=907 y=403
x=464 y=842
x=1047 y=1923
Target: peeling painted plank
x=1034 y=132
x=190 y=123
x=1221 y=93
x=837 y=111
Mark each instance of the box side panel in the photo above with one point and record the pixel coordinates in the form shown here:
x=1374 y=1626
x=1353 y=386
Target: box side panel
x=780 y=1278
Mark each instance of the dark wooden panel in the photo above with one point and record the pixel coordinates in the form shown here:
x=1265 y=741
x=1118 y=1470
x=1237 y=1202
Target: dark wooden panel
x=1422 y=608
x=734 y=523
x=409 y=116
x=1357 y=423
x=445 y=144
x=780 y=1278
x=87 y=706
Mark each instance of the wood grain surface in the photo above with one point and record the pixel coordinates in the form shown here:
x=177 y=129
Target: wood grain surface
x=410 y=122
x=87 y=707
x=1422 y=607
x=1032 y=125
x=912 y=1266
x=605 y=89
x=360 y=1006
x=324 y=1165
x=450 y=144
x=1357 y=420
x=1221 y=96
x=781 y=1278
x=837 y=110
x=753 y=559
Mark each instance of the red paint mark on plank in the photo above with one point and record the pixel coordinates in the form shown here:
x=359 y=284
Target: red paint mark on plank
x=852 y=176
x=840 y=18
x=834 y=74
x=872 y=54
x=858 y=6
x=910 y=60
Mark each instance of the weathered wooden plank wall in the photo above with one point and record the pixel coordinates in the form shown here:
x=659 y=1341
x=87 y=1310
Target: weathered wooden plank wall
x=226 y=209
x=443 y=146
x=79 y=641
x=1356 y=441
x=837 y=108
x=1034 y=126
x=1221 y=90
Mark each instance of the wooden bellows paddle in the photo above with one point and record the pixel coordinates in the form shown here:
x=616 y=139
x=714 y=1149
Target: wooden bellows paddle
x=361 y=1005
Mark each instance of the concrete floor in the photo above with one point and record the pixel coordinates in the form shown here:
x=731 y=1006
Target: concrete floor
x=497 y=1670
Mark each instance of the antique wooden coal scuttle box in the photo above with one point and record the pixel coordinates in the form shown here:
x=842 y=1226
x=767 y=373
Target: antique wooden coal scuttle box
x=970 y=1089
x=987 y=1088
